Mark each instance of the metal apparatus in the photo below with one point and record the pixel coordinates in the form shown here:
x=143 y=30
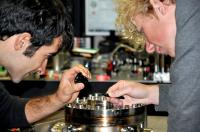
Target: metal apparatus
x=95 y=114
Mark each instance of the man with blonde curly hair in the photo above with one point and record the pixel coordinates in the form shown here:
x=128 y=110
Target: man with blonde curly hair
x=169 y=27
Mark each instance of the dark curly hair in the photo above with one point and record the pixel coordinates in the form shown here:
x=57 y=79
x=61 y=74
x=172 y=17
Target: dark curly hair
x=43 y=19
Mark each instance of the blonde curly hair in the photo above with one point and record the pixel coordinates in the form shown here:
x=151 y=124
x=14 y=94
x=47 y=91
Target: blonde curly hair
x=126 y=10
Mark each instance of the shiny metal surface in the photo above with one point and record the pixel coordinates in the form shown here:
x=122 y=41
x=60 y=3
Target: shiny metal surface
x=95 y=114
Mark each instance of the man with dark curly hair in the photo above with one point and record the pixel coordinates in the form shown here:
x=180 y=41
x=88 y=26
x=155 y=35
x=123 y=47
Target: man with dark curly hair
x=30 y=32
x=169 y=27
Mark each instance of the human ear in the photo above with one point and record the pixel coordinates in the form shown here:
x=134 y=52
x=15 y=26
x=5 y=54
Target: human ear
x=22 y=41
x=159 y=7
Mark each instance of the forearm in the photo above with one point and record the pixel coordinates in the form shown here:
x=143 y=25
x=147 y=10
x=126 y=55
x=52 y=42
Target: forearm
x=154 y=94
x=39 y=108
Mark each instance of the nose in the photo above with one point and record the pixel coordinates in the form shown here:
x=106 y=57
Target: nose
x=150 y=48
x=42 y=68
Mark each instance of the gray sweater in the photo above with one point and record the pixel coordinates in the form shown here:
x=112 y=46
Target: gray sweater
x=181 y=98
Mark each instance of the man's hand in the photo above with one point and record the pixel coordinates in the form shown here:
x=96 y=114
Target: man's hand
x=134 y=93
x=68 y=90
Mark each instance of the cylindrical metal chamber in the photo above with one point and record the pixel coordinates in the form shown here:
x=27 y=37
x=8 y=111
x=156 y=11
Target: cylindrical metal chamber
x=95 y=114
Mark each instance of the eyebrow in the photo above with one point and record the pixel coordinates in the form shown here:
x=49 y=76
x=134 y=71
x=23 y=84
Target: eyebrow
x=141 y=30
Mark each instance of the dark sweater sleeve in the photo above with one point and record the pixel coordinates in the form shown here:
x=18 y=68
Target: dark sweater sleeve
x=12 y=110
x=163 y=97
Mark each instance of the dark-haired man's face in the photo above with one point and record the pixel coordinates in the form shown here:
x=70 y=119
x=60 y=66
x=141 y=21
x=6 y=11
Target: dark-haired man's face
x=35 y=64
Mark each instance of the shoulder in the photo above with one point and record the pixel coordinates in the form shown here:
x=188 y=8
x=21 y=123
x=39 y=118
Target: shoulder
x=185 y=9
